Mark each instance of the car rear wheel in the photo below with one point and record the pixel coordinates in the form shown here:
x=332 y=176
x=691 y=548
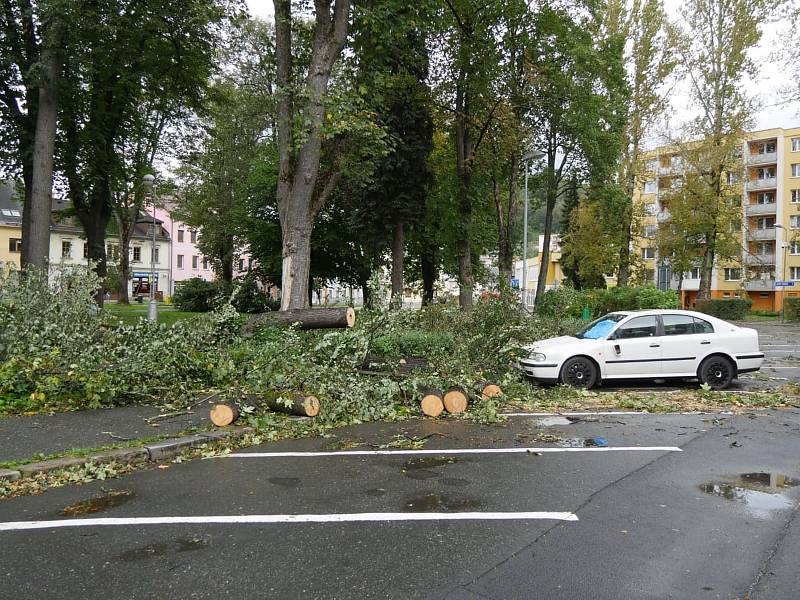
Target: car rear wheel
x=717 y=372
x=579 y=372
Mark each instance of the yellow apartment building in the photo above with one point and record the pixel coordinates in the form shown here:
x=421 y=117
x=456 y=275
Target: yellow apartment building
x=10 y=226
x=769 y=269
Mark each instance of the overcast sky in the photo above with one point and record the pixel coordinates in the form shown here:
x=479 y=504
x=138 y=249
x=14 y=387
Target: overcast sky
x=772 y=76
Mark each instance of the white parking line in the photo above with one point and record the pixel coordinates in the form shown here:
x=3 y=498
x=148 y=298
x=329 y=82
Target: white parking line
x=447 y=451
x=332 y=518
x=572 y=414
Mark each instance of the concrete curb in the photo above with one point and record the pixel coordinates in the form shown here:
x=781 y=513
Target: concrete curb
x=154 y=452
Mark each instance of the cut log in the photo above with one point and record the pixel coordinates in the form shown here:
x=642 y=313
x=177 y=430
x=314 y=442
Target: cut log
x=301 y=405
x=412 y=363
x=223 y=415
x=455 y=400
x=431 y=403
x=490 y=390
x=308 y=318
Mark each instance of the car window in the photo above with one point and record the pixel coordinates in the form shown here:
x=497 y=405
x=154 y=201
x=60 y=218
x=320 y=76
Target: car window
x=599 y=328
x=678 y=324
x=702 y=326
x=637 y=327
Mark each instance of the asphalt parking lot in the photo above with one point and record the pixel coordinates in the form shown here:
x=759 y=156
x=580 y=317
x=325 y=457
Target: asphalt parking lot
x=577 y=506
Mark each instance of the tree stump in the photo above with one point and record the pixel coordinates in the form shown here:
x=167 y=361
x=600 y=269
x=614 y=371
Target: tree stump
x=224 y=414
x=489 y=390
x=431 y=403
x=455 y=400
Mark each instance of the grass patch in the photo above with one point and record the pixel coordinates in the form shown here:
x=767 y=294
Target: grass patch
x=132 y=313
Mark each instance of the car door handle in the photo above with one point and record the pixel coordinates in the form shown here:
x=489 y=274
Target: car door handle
x=705 y=342
x=655 y=345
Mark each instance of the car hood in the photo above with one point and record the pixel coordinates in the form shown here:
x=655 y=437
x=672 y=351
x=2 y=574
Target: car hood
x=556 y=342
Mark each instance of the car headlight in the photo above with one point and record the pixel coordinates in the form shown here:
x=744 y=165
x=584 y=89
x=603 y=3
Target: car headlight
x=537 y=356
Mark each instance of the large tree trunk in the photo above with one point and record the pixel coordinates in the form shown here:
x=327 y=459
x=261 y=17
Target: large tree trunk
x=428 y=267
x=126 y=225
x=550 y=203
x=299 y=198
x=398 y=246
x=36 y=242
x=463 y=141
x=94 y=218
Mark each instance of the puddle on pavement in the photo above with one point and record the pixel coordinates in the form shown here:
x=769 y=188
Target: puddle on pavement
x=454 y=481
x=761 y=493
x=420 y=468
x=162 y=549
x=592 y=442
x=289 y=482
x=441 y=503
x=550 y=421
x=98 y=503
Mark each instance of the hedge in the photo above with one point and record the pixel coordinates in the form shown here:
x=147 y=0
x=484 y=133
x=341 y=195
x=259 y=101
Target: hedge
x=568 y=302
x=791 y=308
x=732 y=309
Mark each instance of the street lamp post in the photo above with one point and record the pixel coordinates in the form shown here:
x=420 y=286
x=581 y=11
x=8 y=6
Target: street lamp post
x=532 y=155
x=152 y=307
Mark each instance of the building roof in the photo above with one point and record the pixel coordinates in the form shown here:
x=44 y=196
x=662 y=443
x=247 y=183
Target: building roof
x=10 y=206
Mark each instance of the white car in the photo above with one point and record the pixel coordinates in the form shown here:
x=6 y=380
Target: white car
x=647 y=344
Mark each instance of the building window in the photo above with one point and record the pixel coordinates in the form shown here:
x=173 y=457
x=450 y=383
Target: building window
x=205 y=263
x=154 y=255
x=195 y=262
x=193 y=236
x=66 y=249
x=794 y=247
x=766 y=148
x=650 y=231
x=137 y=254
x=693 y=274
x=651 y=165
x=796 y=196
x=766 y=198
x=648 y=253
x=794 y=273
x=15 y=245
x=241 y=264
x=795 y=144
x=650 y=208
x=766 y=172
x=650 y=187
x=180 y=261
x=180 y=235
x=766 y=223
x=732 y=178
x=733 y=274
x=112 y=252
x=796 y=170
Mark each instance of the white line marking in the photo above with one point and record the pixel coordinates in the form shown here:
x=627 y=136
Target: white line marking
x=447 y=451
x=333 y=518
x=771 y=367
x=571 y=414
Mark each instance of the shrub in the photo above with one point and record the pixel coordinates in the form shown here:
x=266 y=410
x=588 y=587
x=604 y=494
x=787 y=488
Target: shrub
x=791 y=308
x=195 y=295
x=731 y=309
x=250 y=299
x=564 y=301
x=413 y=342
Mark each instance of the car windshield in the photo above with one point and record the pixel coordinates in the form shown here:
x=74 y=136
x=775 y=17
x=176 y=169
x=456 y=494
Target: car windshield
x=600 y=328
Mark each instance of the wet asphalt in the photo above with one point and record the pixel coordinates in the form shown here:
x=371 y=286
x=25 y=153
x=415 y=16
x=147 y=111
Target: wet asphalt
x=716 y=520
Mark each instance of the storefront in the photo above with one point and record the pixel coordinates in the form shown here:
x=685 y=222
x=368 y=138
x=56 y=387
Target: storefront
x=140 y=285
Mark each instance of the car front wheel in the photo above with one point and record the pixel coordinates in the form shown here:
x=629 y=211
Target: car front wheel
x=579 y=372
x=717 y=372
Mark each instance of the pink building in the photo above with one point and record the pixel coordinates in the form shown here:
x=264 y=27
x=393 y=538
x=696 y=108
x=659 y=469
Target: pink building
x=185 y=259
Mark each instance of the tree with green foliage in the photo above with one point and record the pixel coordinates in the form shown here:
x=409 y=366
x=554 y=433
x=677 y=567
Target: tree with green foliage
x=580 y=107
x=718 y=36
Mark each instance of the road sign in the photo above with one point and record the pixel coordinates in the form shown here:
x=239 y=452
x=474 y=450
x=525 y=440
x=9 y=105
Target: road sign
x=515 y=283
x=784 y=284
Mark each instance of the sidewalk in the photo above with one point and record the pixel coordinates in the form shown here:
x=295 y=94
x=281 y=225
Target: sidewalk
x=23 y=437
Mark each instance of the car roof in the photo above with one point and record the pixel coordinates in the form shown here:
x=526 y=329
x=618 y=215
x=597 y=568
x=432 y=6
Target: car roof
x=670 y=311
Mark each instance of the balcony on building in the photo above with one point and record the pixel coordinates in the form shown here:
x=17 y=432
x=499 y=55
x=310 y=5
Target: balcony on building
x=761 y=234
x=767 y=183
x=760 y=285
x=767 y=158
x=754 y=260
x=768 y=208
